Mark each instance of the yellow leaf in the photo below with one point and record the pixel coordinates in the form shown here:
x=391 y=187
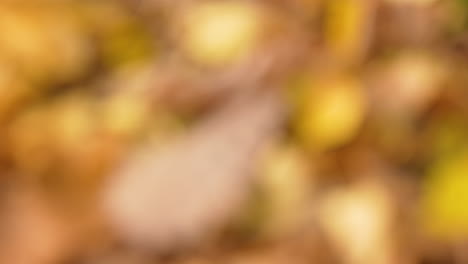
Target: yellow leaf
x=332 y=115
x=217 y=33
x=444 y=210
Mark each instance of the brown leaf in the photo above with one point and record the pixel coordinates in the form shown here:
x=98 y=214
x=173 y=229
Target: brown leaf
x=177 y=194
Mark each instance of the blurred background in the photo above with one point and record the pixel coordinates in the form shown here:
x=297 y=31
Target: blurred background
x=232 y=131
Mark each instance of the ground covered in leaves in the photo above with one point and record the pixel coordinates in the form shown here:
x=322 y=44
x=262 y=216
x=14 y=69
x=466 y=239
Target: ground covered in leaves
x=233 y=131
